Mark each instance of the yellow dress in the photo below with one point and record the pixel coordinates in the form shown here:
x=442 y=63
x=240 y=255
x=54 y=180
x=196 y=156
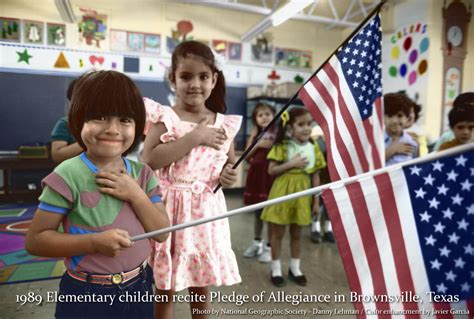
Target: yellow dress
x=296 y=211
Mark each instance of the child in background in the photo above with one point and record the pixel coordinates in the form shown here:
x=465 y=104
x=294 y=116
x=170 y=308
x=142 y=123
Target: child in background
x=191 y=144
x=64 y=145
x=102 y=199
x=258 y=181
x=465 y=99
x=461 y=122
x=295 y=160
x=414 y=130
x=399 y=145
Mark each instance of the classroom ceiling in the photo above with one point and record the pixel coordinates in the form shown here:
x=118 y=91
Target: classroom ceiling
x=332 y=13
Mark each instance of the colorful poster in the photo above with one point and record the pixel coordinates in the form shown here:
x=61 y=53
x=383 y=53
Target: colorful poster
x=235 y=51
x=92 y=27
x=293 y=58
x=56 y=34
x=10 y=29
x=136 y=41
x=262 y=49
x=152 y=43
x=220 y=46
x=118 y=40
x=33 y=32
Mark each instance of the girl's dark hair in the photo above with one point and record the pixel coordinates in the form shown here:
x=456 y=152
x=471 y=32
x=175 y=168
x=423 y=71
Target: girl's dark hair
x=195 y=49
x=258 y=107
x=294 y=113
x=105 y=93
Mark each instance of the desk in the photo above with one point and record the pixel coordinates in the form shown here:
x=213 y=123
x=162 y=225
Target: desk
x=9 y=164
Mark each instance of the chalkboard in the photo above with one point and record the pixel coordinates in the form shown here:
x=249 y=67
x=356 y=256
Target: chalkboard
x=31 y=104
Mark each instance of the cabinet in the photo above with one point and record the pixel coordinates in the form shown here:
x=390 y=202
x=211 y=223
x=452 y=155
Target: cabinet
x=22 y=193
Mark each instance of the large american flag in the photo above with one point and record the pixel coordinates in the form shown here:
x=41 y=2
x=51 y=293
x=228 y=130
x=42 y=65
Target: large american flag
x=410 y=229
x=345 y=99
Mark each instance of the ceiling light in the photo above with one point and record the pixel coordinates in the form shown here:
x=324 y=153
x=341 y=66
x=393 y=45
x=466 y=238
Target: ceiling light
x=289 y=10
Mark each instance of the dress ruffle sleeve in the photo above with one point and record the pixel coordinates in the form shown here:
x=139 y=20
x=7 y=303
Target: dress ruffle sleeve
x=157 y=113
x=231 y=125
x=278 y=153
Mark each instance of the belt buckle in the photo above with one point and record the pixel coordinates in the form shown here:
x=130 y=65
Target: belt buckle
x=117 y=279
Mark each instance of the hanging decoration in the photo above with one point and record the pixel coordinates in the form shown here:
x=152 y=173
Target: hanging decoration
x=92 y=27
x=61 y=62
x=33 y=32
x=235 y=51
x=56 y=34
x=152 y=43
x=183 y=28
x=10 y=30
x=262 y=48
x=81 y=63
x=24 y=56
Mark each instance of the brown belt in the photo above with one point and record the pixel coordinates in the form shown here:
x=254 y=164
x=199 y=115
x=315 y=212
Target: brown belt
x=113 y=279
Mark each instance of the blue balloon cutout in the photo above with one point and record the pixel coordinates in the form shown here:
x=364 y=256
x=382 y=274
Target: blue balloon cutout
x=403 y=70
x=424 y=44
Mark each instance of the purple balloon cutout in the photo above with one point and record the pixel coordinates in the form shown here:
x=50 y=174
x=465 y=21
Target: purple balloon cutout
x=412 y=77
x=413 y=55
x=403 y=70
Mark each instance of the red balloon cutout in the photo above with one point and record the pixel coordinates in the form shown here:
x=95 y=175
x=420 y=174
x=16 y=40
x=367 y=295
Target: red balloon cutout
x=407 y=43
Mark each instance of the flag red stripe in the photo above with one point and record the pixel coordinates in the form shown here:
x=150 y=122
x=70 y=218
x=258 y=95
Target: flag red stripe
x=443 y=308
x=366 y=231
x=341 y=146
x=318 y=116
x=368 y=127
x=470 y=307
x=344 y=248
x=389 y=207
x=347 y=117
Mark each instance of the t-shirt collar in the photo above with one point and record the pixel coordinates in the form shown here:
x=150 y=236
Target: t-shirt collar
x=94 y=168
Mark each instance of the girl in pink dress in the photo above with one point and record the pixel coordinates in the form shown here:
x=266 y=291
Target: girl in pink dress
x=191 y=146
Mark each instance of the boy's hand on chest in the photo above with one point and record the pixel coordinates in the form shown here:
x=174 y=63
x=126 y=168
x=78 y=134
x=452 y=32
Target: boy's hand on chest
x=119 y=185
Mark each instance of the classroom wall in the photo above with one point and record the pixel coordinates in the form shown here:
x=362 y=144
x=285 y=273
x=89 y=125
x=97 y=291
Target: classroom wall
x=214 y=23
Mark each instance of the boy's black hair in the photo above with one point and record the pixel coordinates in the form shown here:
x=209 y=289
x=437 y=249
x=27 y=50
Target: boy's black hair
x=106 y=93
x=255 y=111
x=460 y=114
x=294 y=112
x=194 y=49
x=396 y=102
x=464 y=100
x=70 y=89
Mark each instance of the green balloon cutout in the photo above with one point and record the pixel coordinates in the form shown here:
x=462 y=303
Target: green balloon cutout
x=392 y=71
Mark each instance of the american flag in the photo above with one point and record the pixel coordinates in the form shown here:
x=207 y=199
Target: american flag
x=345 y=99
x=409 y=231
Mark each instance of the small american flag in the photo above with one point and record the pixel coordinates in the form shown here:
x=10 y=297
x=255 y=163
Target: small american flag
x=409 y=231
x=345 y=99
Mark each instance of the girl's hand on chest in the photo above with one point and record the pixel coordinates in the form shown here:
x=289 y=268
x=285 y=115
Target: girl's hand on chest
x=213 y=137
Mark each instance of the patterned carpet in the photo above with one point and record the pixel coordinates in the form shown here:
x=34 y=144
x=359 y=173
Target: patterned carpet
x=16 y=264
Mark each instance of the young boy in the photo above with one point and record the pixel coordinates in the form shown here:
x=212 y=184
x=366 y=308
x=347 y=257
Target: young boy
x=399 y=145
x=461 y=122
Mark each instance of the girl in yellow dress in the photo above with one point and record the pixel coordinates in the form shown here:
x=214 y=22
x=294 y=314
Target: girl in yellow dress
x=295 y=159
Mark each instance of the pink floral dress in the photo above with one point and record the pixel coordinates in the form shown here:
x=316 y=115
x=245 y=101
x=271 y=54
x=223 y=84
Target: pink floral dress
x=201 y=255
